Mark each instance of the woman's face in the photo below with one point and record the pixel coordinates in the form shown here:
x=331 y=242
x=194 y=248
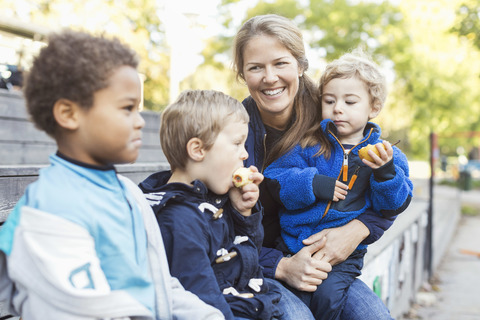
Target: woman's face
x=272 y=76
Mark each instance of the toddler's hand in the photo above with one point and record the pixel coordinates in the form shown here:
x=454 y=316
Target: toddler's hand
x=340 y=191
x=385 y=154
x=244 y=198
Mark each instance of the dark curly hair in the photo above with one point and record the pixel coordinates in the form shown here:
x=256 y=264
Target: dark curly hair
x=74 y=65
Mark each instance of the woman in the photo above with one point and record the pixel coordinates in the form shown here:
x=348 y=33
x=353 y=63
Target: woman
x=269 y=56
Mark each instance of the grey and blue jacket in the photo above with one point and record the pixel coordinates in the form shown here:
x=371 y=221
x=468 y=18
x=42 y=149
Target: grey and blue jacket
x=304 y=184
x=82 y=243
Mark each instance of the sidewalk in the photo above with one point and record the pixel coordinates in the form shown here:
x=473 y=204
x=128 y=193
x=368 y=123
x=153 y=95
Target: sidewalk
x=455 y=287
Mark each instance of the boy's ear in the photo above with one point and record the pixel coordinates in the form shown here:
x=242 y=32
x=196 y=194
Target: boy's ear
x=66 y=114
x=195 y=149
x=375 y=111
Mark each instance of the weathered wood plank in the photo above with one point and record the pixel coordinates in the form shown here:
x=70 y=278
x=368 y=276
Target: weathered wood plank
x=15 y=179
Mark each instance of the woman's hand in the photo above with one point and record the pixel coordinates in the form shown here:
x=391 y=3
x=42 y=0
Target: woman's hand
x=341 y=241
x=303 y=272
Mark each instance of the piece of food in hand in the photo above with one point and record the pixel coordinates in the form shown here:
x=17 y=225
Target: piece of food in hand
x=363 y=153
x=241 y=177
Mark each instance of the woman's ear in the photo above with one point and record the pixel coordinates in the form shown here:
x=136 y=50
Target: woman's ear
x=300 y=71
x=195 y=149
x=66 y=114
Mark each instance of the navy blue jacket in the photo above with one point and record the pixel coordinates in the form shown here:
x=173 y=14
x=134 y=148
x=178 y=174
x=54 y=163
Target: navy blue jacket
x=255 y=146
x=304 y=184
x=195 y=238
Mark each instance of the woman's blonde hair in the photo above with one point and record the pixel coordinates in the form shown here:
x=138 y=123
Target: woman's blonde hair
x=306 y=106
x=196 y=114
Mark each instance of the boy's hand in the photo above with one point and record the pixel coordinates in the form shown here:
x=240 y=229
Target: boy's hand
x=340 y=191
x=244 y=198
x=385 y=154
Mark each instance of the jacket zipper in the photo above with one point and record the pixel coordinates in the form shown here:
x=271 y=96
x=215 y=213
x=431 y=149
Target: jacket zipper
x=344 y=169
x=124 y=194
x=264 y=151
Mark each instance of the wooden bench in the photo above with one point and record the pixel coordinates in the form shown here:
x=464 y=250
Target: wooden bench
x=14 y=180
x=22 y=144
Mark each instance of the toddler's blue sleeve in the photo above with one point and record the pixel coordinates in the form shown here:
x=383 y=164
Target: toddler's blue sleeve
x=290 y=179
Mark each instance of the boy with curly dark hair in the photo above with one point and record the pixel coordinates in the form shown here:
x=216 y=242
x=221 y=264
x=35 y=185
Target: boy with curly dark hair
x=82 y=243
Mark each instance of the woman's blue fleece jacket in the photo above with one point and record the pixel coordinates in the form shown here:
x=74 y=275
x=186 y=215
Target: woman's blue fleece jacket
x=304 y=184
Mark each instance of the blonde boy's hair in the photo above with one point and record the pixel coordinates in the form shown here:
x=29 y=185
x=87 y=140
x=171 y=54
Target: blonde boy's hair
x=196 y=114
x=358 y=64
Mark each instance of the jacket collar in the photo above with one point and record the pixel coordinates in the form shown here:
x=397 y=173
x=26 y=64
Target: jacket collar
x=371 y=133
x=157 y=184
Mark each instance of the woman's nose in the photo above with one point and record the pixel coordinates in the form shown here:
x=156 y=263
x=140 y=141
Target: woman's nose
x=270 y=75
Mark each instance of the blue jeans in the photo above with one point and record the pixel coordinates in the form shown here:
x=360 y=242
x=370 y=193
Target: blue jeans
x=292 y=307
x=328 y=301
x=362 y=304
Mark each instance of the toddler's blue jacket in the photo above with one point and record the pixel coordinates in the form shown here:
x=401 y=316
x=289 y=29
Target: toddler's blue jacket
x=304 y=184
x=255 y=145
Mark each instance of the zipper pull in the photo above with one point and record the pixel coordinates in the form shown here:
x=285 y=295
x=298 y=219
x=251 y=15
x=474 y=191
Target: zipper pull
x=354 y=178
x=345 y=166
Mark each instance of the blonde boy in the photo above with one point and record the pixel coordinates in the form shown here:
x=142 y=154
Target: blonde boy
x=212 y=230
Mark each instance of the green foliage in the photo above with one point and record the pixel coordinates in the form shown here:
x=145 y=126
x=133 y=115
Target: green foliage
x=470 y=211
x=135 y=22
x=339 y=26
x=468 y=21
x=287 y=8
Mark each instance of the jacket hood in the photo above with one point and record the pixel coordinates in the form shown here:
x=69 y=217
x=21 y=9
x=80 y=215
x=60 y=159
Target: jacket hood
x=158 y=191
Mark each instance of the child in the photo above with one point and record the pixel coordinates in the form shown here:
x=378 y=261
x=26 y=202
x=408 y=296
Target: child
x=304 y=181
x=75 y=245
x=211 y=230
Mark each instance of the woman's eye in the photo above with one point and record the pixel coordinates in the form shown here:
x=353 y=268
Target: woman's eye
x=254 y=68
x=129 y=108
x=350 y=102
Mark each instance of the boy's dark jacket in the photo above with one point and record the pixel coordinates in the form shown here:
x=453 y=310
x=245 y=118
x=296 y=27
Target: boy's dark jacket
x=304 y=184
x=193 y=239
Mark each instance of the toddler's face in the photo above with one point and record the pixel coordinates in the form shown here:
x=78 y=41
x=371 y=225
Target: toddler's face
x=110 y=131
x=225 y=156
x=347 y=103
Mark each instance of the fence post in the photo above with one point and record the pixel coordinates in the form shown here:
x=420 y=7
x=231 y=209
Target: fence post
x=429 y=243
